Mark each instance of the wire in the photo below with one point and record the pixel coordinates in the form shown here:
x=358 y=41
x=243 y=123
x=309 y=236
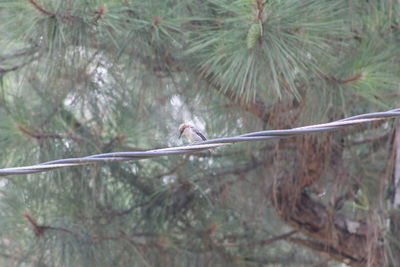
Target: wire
x=204 y=145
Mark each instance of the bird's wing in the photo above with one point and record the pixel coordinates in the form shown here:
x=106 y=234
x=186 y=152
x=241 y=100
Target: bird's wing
x=200 y=134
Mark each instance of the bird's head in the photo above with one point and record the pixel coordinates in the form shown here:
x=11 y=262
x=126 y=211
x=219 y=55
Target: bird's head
x=182 y=128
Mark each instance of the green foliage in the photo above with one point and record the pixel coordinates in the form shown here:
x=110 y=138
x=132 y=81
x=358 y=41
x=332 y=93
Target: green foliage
x=85 y=77
x=292 y=36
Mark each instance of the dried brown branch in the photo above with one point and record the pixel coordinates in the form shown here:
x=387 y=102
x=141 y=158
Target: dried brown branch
x=273 y=239
x=39 y=230
x=4 y=70
x=38 y=135
x=16 y=67
x=40 y=9
x=327 y=251
x=19 y=53
x=329 y=232
x=45 y=12
x=263 y=242
x=348 y=81
x=352 y=79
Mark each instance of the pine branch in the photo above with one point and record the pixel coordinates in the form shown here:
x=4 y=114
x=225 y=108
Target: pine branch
x=329 y=231
x=41 y=9
x=20 y=53
x=327 y=250
x=263 y=242
x=348 y=81
x=40 y=135
x=45 y=12
x=39 y=230
x=17 y=66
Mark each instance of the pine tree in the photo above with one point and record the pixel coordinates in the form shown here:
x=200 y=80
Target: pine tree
x=84 y=77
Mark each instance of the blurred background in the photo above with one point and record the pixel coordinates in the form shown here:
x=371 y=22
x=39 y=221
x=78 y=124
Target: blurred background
x=81 y=77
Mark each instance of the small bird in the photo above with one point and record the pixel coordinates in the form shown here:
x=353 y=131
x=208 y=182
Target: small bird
x=191 y=132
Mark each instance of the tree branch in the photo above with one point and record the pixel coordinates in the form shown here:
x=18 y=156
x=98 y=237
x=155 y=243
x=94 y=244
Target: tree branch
x=263 y=242
x=45 y=12
x=326 y=250
x=41 y=9
x=329 y=231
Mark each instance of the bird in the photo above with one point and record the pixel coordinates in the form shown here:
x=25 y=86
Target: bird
x=191 y=132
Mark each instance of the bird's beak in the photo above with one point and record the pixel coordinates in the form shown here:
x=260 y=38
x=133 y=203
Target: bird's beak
x=180 y=134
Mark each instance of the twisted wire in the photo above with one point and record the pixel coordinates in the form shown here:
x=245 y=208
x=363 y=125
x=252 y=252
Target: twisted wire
x=204 y=145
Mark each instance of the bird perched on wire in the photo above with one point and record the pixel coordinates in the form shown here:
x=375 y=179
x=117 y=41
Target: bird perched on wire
x=191 y=132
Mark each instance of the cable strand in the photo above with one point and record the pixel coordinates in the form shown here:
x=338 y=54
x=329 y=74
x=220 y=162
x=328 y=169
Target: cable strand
x=201 y=146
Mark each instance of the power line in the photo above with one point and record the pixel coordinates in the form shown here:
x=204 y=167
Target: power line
x=200 y=146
